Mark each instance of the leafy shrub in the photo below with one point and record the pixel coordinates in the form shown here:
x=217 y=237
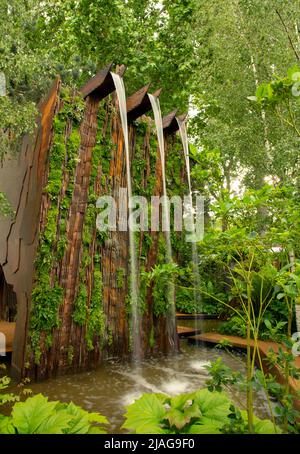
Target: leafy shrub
x=6 y=397
x=235 y=326
x=160 y=277
x=39 y=416
x=221 y=375
x=200 y=412
x=269 y=330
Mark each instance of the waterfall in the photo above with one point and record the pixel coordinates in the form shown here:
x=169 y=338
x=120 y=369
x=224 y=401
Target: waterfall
x=195 y=258
x=171 y=316
x=136 y=319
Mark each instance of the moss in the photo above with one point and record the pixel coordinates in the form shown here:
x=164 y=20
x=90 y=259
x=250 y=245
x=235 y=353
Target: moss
x=146 y=245
x=73 y=105
x=70 y=355
x=120 y=277
x=92 y=314
x=128 y=307
x=152 y=338
x=96 y=317
x=160 y=281
x=139 y=163
x=80 y=307
x=109 y=336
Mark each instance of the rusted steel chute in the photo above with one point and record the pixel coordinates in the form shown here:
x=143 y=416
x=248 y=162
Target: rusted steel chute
x=170 y=124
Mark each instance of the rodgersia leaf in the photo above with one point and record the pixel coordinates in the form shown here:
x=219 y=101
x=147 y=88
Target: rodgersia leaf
x=145 y=415
x=28 y=416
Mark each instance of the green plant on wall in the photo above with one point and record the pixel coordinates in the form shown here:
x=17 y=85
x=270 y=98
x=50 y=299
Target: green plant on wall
x=96 y=316
x=160 y=277
x=120 y=276
x=85 y=312
x=47 y=295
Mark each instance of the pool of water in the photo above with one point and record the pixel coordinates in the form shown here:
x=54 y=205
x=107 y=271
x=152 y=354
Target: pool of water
x=115 y=384
x=205 y=326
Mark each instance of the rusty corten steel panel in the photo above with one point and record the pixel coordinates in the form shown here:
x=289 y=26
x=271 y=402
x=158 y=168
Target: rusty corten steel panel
x=138 y=103
x=170 y=124
x=21 y=179
x=102 y=84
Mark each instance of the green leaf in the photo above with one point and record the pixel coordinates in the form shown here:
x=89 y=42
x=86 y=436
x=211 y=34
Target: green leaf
x=38 y=416
x=214 y=406
x=181 y=400
x=56 y=424
x=207 y=428
x=265 y=426
x=28 y=416
x=81 y=420
x=268 y=323
x=177 y=418
x=145 y=415
x=6 y=425
x=193 y=411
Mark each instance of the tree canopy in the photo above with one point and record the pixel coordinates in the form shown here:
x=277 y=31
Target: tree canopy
x=204 y=54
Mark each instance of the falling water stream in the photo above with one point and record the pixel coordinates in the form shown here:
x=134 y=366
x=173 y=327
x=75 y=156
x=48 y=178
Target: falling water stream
x=136 y=320
x=195 y=258
x=171 y=318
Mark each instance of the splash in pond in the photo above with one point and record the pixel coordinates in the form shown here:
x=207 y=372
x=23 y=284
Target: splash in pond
x=114 y=385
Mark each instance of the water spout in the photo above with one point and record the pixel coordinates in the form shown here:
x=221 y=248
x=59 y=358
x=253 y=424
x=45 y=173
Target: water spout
x=171 y=316
x=136 y=319
x=195 y=258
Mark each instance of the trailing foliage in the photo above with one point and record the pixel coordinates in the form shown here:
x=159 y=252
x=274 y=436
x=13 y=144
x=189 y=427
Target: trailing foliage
x=160 y=277
x=90 y=312
x=200 y=412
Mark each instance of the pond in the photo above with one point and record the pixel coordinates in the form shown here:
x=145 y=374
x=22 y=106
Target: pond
x=115 y=384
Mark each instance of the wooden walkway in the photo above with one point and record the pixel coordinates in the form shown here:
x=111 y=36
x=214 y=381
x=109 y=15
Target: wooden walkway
x=264 y=347
x=8 y=329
